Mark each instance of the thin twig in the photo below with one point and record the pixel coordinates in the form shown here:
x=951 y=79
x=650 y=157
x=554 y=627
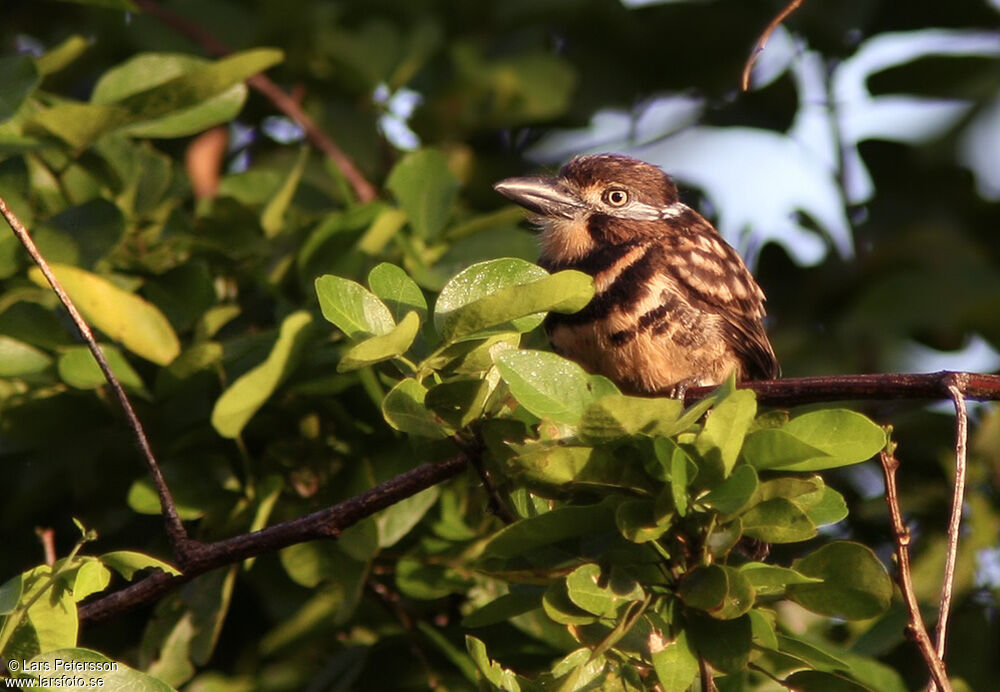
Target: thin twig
x=285 y=102
x=175 y=529
x=495 y=504
x=955 y=521
x=47 y=537
x=391 y=602
x=326 y=523
x=705 y=674
x=916 y=628
x=762 y=41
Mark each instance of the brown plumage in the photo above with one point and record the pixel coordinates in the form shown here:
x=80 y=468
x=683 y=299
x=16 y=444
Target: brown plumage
x=675 y=306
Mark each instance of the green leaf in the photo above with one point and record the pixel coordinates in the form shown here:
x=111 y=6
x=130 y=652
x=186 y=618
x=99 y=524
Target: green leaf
x=771 y=580
x=418 y=577
x=762 y=624
x=79 y=124
x=506 y=295
x=485 y=279
x=272 y=218
x=504 y=608
x=602 y=594
x=10 y=594
x=559 y=524
x=725 y=644
x=734 y=493
x=101 y=671
x=18 y=78
x=81 y=235
x=722 y=437
x=384 y=347
x=566 y=291
x=824 y=506
x=62 y=55
x=774 y=447
x=559 y=465
x=88 y=577
x=147 y=70
x=308 y=564
x=778 y=520
x=495 y=674
x=404 y=409
x=810 y=654
x=125 y=317
x=352 y=307
x=855 y=584
x=397 y=520
x=459 y=402
x=397 y=290
x=244 y=397
x=127 y=563
x=581 y=670
x=78 y=368
x=18 y=359
x=618 y=416
x=360 y=541
x=426 y=190
x=548 y=385
x=675 y=662
x=704 y=588
x=818 y=681
x=679 y=463
x=720 y=591
x=51 y=620
x=637 y=521
x=816 y=440
x=560 y=608
x=740 y=595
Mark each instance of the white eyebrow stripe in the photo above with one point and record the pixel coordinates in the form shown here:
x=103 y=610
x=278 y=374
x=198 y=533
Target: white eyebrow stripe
x=673 y=210
x=641 y=211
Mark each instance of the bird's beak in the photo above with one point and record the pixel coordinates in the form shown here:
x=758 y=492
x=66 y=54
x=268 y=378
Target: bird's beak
x=545 y=196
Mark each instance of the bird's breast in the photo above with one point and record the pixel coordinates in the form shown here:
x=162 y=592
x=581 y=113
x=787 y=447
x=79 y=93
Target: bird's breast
x=639 y=330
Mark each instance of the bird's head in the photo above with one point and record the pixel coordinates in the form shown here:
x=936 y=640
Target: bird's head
x=606 y=184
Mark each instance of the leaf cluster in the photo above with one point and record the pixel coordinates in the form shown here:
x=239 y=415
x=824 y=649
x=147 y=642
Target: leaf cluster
x=638 y=523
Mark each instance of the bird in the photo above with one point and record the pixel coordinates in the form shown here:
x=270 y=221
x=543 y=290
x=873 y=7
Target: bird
x=674 y=305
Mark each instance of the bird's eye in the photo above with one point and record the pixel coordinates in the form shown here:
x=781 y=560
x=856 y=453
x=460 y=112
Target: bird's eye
x=616 y=197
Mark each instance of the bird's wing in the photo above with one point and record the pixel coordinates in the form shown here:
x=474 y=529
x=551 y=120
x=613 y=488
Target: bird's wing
x=718 y=282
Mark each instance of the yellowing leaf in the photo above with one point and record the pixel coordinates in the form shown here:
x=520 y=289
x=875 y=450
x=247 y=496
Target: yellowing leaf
x=126 y=318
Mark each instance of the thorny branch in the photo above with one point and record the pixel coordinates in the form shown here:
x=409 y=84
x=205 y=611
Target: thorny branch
x=762 y=41
x=916 y=627
x=285 y=102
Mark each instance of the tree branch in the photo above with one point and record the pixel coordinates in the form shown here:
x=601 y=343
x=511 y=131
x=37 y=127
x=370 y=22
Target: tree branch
x=326 y=523
x=329 y=522
x=793 y=391
x=175 y=529
x=916 y=627
x=762 y=41
x=266 y=86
